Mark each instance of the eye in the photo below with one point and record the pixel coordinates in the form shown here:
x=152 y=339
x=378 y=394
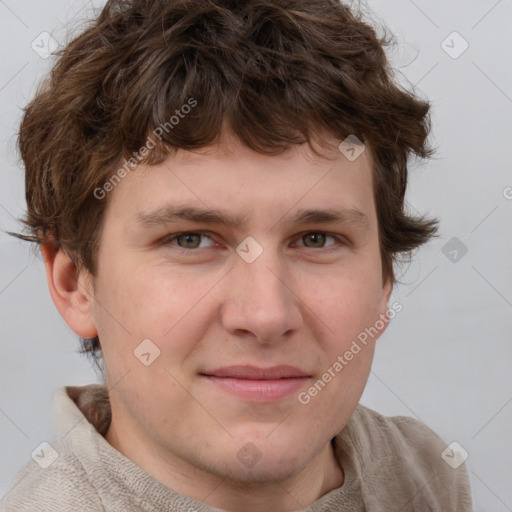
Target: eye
x=191 y=240
x=318 y=239
x=188 y=240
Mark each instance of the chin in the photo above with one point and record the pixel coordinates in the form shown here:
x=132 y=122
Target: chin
x=263 y=472
x=256 y=459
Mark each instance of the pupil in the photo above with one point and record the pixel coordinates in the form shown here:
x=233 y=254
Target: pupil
x=315 y=237
x=188 y=238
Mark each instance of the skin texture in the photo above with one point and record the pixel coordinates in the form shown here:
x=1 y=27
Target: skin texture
x=301 y=303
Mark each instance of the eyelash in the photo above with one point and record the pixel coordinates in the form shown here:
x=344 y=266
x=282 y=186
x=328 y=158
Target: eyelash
x=339 y=239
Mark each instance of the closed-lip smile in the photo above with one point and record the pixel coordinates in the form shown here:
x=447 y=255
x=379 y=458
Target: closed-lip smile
x=258 y=384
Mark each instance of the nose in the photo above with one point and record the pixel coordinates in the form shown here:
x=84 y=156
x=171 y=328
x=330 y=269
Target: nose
x=261 y=300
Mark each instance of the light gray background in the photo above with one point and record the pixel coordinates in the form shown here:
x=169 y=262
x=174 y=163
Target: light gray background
x=445 y=359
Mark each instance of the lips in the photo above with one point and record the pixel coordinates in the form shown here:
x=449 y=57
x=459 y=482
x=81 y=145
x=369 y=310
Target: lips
x=258 y=384
x=255 y=373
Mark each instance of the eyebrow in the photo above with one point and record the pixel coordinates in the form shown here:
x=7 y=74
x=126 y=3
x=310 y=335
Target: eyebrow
x=175 y=213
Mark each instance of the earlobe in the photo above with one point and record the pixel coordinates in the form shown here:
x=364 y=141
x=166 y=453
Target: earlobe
x=70 y=290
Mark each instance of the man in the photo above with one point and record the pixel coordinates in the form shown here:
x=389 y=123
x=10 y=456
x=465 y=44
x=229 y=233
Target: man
x=218 y=188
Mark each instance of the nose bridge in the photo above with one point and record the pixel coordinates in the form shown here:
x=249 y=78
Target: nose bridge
x=260 y=299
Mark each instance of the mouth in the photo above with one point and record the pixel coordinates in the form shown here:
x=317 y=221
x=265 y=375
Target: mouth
x=258 y=384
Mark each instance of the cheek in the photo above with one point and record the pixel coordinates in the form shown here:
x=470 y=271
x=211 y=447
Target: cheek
x=172 y=308
x=348 y=349
x=347 y=305
x=148 y=303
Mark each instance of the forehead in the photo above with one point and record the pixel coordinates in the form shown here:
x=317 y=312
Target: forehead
x=229 y=183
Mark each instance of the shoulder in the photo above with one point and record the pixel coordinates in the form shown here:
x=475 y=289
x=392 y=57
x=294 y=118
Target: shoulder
x=393 y=431
x=402 y=457
x=63 y=486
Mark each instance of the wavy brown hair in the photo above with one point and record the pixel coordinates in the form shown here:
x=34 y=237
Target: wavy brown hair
x=275 y=72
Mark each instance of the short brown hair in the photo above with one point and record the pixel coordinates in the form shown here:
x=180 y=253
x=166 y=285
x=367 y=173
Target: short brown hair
x=276 y=72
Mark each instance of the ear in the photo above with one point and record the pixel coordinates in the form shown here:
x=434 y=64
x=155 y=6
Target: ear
x=387 y=288
x=70 y=290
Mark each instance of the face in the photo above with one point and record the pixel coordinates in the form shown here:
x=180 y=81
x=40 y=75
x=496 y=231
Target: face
x=248 y=316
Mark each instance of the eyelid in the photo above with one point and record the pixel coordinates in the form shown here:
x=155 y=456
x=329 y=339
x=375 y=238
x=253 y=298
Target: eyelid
x=340 y=239
x=170 y=238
